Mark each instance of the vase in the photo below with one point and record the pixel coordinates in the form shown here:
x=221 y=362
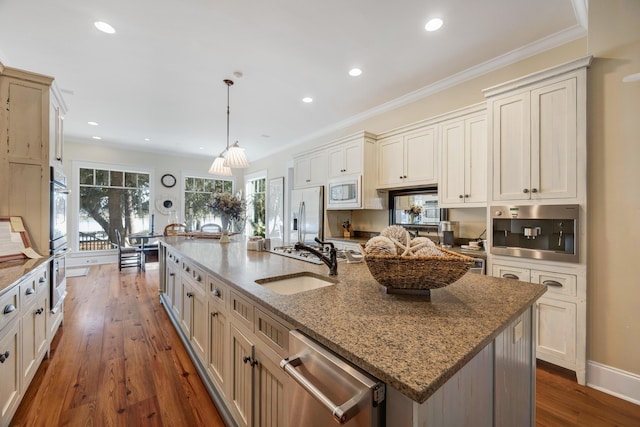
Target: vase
x=226 y=222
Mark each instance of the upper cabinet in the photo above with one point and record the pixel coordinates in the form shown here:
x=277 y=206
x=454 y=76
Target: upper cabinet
x=345 y=158
x=538 y=134
x=310 y=169
x=24 y=158
x=408 y=157
x=463 y=167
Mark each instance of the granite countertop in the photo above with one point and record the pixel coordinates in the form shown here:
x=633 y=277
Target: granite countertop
x=412 y=343
x=13 y=271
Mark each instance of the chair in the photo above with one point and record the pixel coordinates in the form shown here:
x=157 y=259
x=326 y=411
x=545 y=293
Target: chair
x=175 y=229
x=129 y=256
x=211 y=228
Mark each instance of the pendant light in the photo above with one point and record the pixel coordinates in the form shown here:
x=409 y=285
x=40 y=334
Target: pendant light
x=235 y=157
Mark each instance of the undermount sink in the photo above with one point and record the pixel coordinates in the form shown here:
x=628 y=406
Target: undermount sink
x=294 y=283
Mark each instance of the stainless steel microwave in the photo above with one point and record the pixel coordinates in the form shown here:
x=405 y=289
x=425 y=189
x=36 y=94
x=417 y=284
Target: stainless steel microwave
x=345 y=193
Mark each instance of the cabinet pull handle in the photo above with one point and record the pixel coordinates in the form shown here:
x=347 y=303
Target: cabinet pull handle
x=172 y=274
x=400 y=177
x=534 y=190
x=510 y=276
x=215 y=314
x=216 y=292
x=249 y=360
x=525 y=191
x=552 y=283
x=187 y=269
x=9 y=308
x=41 y=280
x=466 y=196
x=189 y=294
x=29 y=291
x=4 y=356
x=405 y=177
x=39 y=311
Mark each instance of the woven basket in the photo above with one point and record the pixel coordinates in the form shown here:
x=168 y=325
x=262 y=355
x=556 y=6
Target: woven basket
x=418 y=272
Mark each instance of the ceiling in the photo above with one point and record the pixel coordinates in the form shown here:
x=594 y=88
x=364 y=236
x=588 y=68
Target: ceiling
x=160 y=76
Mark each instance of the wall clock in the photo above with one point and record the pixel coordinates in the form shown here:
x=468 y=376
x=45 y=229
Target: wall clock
x=168 y=180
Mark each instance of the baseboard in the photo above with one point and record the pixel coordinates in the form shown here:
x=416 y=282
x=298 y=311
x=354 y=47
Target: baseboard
x=613 y=381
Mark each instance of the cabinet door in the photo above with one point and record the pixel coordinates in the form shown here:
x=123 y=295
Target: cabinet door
x=336 y=160
x=353 y=158
x=476 y=160
x=512 y=147
x=452 y=183
x=217 y=346
x=9 y=371
x=301 y=172
x=420 y=157
x=185 y=306
x=241 y=393
x=270 y=400
x=199 y=313
x=509 y=272
x=172 y=277
x=554 y=141
x=317 y=169
x=391 y=161
x=34 y=338
x=556 y=330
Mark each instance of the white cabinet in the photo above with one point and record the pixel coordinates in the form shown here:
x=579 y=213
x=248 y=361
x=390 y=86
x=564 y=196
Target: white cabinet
x=193 y=313
x=172 y=279
x=345 y=159
x=408 y=158
x=57 y=111
x=560 y=313
x=538 y=133
x=463 y=171
x=217 y=351
x=310 y=169
x=10 y=388
x=34 y=299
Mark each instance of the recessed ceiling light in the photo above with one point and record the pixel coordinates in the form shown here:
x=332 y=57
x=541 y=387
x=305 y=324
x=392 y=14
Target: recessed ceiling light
x=433 y=24
x=104 y=27
x=147 y=139
x=307 y=100
x=92 y=123
x=355 y=72
x=631 y=78
x=96 y=137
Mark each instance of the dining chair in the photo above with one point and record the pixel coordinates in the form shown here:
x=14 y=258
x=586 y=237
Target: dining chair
x=211 y=228
x=175 y=229
x=129 y=256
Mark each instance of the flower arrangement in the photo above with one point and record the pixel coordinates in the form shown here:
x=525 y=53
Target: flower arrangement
x=414 y=210
x=225 y=204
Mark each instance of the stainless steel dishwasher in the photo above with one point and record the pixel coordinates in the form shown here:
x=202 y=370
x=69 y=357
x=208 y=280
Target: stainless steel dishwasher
x=329 y=390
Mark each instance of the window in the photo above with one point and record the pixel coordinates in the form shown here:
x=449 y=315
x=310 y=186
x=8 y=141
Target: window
x=197 y=194
x=256 y=214
x=111 y=200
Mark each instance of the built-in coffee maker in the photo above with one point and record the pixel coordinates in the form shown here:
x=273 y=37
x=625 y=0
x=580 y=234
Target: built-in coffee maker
x=548 y=232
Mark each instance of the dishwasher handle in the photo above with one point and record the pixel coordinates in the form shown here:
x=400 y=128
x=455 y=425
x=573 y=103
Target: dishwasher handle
x=342 y=413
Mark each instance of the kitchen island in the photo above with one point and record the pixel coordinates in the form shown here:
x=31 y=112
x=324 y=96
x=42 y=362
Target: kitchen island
x=469 y=344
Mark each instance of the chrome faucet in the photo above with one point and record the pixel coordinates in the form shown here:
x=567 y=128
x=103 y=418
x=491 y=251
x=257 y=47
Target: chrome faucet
x=331 y=260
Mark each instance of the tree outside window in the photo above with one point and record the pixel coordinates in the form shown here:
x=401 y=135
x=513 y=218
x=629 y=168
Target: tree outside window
x=197 y=194
x=111 y=200
x=256 y=212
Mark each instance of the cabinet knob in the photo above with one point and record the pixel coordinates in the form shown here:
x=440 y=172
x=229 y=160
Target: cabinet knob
x=189 y=294
x=460 y=196
x=29 y=291
x=215 y=314
x=534 y=190
x=172 y=274
x=39 y=311
x=525 y=191
x=9 y=308
x=216 y=292
x=404 y=177
x=4 y=356
x=198 y=278
x=249 y=360
x=41 y=280
x=308 y=180
x=466 y=196
x=400 y=177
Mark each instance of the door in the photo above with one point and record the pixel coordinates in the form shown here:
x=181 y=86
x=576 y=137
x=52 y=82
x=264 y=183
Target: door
x=556 y=330
x=512 y=147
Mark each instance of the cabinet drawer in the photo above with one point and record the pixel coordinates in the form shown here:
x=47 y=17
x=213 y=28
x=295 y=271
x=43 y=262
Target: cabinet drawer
x=272 y=332
x=9 y=305
x=42 y=280
x=242 y=310
x=218 y=291
x=172 y=258
x=557 y=283
x=509 y=272
x=195 y=273
x=28 y=291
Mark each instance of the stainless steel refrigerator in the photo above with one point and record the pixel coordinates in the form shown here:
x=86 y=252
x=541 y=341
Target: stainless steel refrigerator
x=306 y=219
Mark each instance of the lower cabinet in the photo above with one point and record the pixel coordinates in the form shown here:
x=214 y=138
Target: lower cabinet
x=34 y=337
x=10 y=388
x=193 y=313
x=560 y=315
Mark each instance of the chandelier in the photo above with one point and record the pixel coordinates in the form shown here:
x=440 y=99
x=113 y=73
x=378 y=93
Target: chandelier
x=235 y=157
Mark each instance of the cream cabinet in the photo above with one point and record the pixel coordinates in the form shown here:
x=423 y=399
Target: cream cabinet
x=172 y=280
x=237 y=343
x=560 y=314
x=408 y=157
x=24 y=159
x=310 y=169
x=57 y=112
x=34 y=295
x=538 y=134
x=345 y=159
x=10 y=387
x=463 y=170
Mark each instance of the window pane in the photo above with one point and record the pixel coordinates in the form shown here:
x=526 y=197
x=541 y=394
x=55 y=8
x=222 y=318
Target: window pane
x=130 y=180
x=117 y=179
x=143 y=180
x=102 y=177
x=86 y=176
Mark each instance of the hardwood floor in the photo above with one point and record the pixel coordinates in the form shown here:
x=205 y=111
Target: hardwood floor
x=117 y=361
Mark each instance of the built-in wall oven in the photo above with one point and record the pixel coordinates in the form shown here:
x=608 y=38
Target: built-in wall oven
x=58 y=237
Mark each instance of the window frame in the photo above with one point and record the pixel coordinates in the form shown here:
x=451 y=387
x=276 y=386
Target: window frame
x=199 y=174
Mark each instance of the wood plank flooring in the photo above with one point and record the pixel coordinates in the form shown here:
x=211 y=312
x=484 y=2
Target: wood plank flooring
x=117 y=361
